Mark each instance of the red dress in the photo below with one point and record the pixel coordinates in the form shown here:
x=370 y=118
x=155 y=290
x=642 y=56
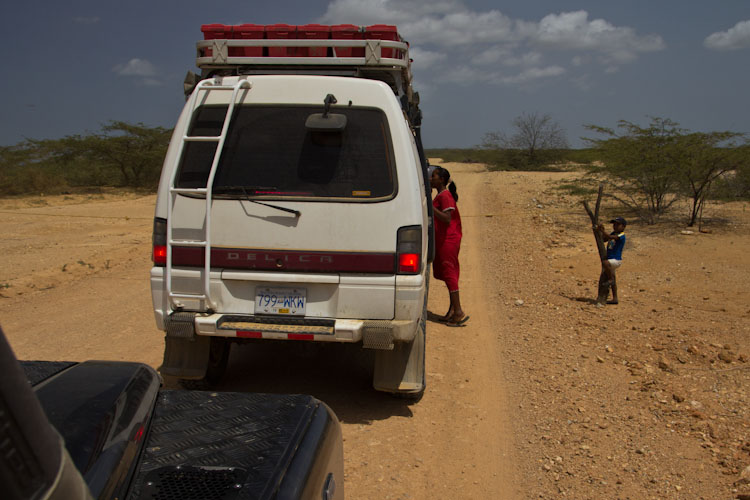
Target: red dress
x=447 y=241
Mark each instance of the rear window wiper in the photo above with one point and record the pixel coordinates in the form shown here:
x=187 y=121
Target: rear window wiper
x=256 y=190
x=245 y=189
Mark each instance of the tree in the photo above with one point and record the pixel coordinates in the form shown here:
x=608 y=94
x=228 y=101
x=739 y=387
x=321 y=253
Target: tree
x=740 y=178
x=535 y=136
x=21 y=172
x=704 y=157
x=136 y=151
x=642 y=163
x=122 y=154
x=71 y=158
x=652 y=167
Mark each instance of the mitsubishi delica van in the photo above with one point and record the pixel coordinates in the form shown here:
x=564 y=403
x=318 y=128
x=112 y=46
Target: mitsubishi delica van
x=293 y=205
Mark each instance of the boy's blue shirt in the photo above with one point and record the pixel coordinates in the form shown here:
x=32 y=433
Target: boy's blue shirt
x=614 y=247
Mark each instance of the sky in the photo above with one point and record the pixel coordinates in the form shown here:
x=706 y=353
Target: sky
x=72 y=66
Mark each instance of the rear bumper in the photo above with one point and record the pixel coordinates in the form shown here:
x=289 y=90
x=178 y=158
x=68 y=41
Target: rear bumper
x=374 y=333
x=375 y=310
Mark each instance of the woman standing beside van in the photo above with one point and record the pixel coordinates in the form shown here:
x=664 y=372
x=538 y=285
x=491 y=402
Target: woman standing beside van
x=447 y=242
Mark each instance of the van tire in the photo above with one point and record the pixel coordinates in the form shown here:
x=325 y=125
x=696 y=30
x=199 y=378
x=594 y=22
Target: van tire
x=218 y=359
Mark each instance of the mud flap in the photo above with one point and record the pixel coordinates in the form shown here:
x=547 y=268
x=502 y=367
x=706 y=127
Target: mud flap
x=401 y=370
x=185 y=358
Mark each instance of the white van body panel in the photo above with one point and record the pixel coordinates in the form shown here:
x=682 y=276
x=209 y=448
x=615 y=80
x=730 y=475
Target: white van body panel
x=247 y=231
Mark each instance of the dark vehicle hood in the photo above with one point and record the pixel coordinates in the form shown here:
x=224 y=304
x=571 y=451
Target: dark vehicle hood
x=102 y=410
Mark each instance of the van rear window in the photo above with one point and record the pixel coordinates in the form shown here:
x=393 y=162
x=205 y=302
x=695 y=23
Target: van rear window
x=269 y=152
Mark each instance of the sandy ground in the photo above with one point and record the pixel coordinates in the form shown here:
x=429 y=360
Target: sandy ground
x=541 y=395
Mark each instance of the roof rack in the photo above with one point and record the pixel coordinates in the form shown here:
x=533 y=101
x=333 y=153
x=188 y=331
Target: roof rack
x=375 y=52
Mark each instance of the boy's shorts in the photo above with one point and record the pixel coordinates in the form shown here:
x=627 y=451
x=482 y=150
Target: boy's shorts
x=614 y=263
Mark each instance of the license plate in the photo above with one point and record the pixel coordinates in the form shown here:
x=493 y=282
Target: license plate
x=283 y=301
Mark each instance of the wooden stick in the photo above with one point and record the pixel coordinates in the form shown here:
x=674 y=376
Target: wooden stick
x=604 y=283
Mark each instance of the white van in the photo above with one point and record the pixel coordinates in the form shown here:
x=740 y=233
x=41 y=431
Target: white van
x=295 y=206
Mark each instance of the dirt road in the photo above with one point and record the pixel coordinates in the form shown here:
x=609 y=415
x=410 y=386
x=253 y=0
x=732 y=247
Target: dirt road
x=541 y=395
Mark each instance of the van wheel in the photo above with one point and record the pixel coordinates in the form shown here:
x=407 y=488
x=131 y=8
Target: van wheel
x=218 y=359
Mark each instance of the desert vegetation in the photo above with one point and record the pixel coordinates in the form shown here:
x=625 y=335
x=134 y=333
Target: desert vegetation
x=119 y=155
x=646 y=168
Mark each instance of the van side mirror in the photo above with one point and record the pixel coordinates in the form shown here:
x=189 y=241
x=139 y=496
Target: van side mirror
x=189 y=84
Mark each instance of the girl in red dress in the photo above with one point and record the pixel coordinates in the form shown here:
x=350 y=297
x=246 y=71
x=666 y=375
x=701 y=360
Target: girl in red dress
x=447 y=242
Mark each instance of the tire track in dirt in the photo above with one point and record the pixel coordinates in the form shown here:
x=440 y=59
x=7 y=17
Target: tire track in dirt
x=458 y=442
x=485 y=444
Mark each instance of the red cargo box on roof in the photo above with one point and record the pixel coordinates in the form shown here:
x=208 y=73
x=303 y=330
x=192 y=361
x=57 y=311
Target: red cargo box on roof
x=313 y=32
x=248 y=32
x=215 y=32
x=383 y=32
x=281 y=32
x=347 y=32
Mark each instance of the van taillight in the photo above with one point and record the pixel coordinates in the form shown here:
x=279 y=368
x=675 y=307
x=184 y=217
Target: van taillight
x=160 y=255
x=409 y=250
x=159 y=238
x=408 y=263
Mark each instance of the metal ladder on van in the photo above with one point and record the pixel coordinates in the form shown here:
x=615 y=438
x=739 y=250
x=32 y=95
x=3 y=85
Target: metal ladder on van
x=204 y=86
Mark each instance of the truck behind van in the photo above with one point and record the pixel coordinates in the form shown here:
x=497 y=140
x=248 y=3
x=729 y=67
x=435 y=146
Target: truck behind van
x=294 y=205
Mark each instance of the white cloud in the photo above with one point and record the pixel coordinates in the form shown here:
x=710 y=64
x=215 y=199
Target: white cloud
x=533 y=74
x=527 y=59
x=141 y=69
x=492 y=55
x=463 y=75
x=423 y=59
x=462 y=28
x=582 y=82
x=367 y=12
x=506 y=57
x=136 y=67
x=736 y=37
x=574 y=31
x=445 y=23
x=357 y=11
x=458 y=44
x=579 y=60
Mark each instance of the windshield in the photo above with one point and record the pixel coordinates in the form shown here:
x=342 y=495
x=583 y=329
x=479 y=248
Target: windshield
x=269 y=152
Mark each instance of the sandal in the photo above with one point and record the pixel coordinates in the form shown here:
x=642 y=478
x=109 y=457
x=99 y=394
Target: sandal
x=446 y=318
x=460 y=322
